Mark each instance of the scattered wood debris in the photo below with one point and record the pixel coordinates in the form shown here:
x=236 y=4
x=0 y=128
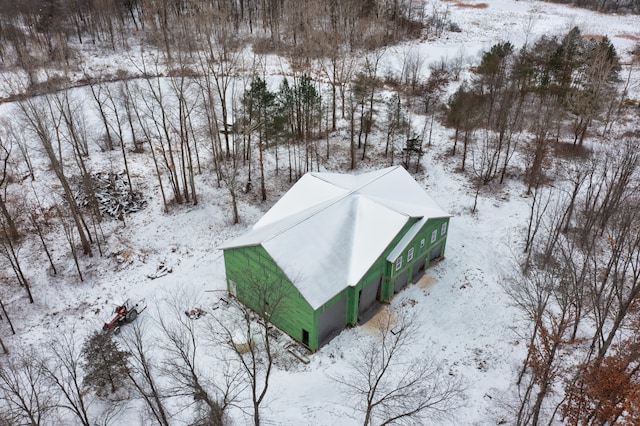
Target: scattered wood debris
x=195 y=313
x=220 y=303
x=299 y=352
x=161 y=271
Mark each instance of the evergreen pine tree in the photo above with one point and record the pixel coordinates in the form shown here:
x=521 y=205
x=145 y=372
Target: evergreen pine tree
x=105 y=364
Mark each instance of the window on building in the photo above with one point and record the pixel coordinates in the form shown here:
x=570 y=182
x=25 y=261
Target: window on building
x=434 y=235
x=422 y=243
x=444 y=229
x=398 y=263
x=410 y=254
x=305 y=337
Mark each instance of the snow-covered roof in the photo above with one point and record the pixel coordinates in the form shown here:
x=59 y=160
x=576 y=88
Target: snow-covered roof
x=408 y=237
x=329 y=228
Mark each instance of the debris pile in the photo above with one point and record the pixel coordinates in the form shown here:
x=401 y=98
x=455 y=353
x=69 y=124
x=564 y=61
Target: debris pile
x=161 y=271
x=195 y=313
x=112 y=194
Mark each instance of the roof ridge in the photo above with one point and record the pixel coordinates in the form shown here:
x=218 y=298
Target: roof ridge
x=359 y=200
x=330 y=203
x=303 y=217
x=369 y=182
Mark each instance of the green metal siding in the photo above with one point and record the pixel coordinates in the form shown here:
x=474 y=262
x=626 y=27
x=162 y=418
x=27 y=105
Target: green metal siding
x=245 y=266
x=419 y=252
x=378 y=268
x=295 y=314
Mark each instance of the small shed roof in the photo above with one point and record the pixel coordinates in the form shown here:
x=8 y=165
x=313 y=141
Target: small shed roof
x=329 y=228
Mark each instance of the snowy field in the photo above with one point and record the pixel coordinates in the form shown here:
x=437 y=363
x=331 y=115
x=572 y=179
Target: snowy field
x=466 y=319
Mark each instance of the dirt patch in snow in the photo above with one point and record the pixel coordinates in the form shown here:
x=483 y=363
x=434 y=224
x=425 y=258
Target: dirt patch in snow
x=426 y=281
x=380 y=320
x=468 y=5
x=596 y=37
x=628 y=37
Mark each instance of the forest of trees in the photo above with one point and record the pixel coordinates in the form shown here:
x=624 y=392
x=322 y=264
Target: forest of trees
x=197 y=98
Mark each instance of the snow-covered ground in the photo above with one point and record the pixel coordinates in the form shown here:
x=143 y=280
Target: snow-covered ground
x=466 y=318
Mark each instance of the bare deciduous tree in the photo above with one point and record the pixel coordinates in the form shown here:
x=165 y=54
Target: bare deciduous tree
x=10 y=251
x=184 y=363
x=412 y=63
x=390 y=386
x=38 y=122
x=26 y=395
x=144 y=374
x=63 y=370
x=482 y=158
x=247 y=335
x=7 y=218
x=463 y=114
x=539 y=294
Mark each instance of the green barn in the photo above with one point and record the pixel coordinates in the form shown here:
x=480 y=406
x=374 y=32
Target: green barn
x=333 y=248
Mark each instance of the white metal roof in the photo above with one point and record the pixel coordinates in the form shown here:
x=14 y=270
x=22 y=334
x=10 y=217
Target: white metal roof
x=329 y=228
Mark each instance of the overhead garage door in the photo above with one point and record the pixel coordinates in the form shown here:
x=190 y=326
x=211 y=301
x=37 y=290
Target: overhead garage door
x=401 y=281
x=368 y=296
x=332 y=321
x=418 y=268
x=436 y=252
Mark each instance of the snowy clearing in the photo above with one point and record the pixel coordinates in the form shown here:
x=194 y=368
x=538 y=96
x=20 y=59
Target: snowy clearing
x=467 y=321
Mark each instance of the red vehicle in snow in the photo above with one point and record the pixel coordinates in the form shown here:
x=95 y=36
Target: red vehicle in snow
x=124 y=314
